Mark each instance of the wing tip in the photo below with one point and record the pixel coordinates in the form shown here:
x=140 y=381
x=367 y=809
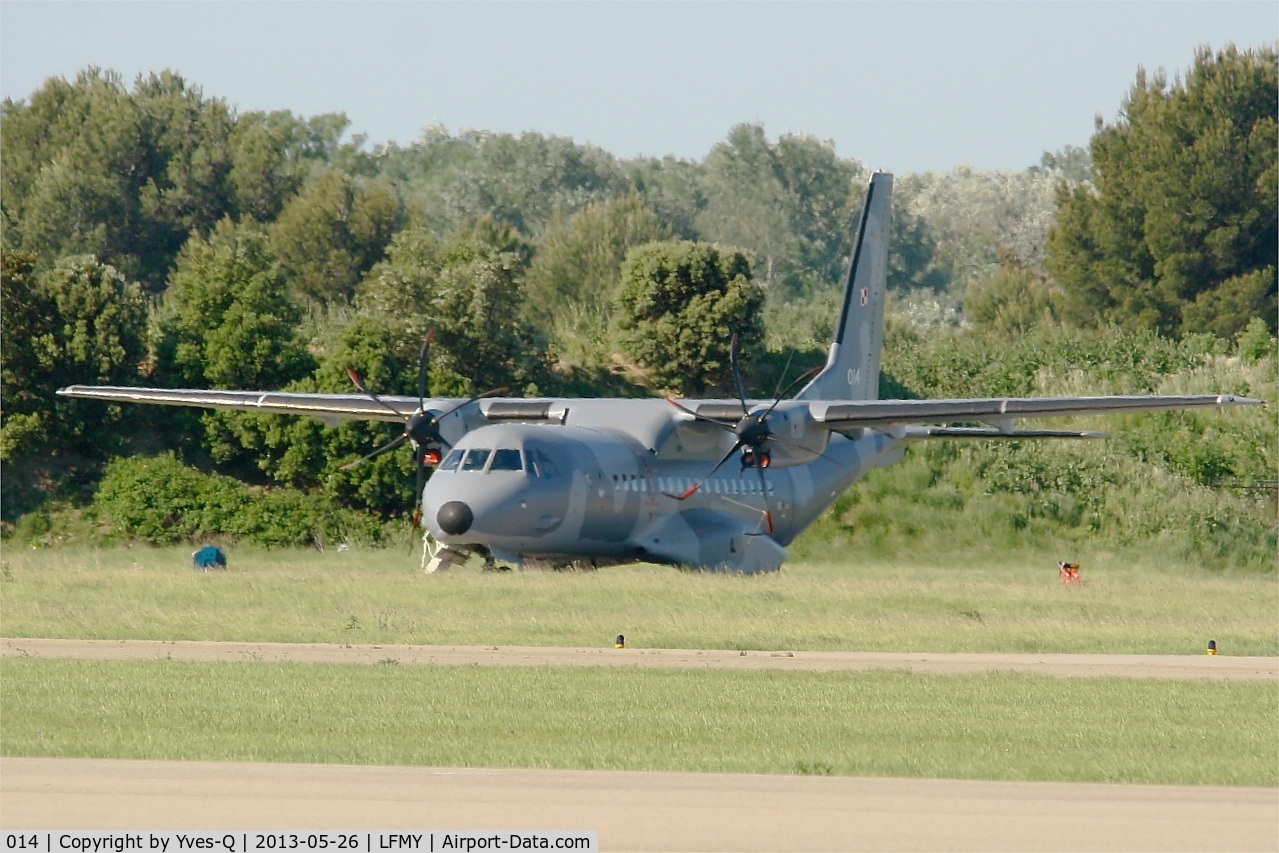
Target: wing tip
x=1235 y=400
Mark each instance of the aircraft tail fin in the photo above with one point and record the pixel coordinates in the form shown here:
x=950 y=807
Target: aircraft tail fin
x=852 y=368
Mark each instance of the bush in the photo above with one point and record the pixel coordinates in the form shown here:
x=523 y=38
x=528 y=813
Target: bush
x=1194 y=485
x=161 y=501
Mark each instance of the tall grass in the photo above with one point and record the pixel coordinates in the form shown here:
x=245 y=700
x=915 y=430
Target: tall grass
x=989 y=726
x=986 y=601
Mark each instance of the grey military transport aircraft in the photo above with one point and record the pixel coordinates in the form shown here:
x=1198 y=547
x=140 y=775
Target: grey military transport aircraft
x=565 y=481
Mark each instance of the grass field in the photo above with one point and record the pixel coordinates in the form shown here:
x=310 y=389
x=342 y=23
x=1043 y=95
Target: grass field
x=996 y=604
x=994 y=726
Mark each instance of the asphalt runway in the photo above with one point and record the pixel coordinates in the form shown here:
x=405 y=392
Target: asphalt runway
x=636 y=810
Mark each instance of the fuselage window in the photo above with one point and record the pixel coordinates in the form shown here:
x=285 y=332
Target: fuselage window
x=475 y=459
x=450 y=462
x=506 y=460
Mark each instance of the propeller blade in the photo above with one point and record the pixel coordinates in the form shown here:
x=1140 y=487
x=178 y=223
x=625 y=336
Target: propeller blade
x=799 y=446
x=359 y=383
x=390 y=445
x=421 y=369
x=752 y=429
x=493 y=393
x=777 y=392
x=785 y=395
x=763 y=493
x=420 y=481
x=686 y=410
x=691 y=490
x=737 y=373
x=420 y=428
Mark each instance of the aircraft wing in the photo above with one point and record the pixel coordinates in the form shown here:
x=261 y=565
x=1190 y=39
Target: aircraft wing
x=917 y=431
x=327 y=407
x=910 y=418
x=1001 y=412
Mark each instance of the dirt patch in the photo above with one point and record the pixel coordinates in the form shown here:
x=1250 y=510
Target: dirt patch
x=1177 y=667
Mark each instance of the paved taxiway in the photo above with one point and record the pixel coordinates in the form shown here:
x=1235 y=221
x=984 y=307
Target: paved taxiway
x=644 y=811
x=1219 y=667
x=638 y=811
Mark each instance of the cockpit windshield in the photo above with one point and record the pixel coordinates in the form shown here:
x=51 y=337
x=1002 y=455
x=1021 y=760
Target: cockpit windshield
x=506 y=460
x=451 y=461
x=475 y=459
x=483 y=459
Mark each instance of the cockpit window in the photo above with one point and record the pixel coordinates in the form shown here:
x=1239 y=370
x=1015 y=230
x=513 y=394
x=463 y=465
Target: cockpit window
x=542 y=465
x=506 y=460
x=475 y=459
x=450 y=462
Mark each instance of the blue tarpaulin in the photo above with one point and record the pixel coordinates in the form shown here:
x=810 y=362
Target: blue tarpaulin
x=209 y=557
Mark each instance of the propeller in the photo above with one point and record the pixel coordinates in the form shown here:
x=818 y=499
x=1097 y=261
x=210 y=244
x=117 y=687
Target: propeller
x=752 y=432
x=422 y=428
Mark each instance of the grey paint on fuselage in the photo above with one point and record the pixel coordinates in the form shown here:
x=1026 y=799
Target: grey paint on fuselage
x=606 y=495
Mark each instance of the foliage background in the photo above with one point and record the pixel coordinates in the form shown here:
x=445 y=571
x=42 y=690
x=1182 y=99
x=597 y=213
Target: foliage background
x=154 y=235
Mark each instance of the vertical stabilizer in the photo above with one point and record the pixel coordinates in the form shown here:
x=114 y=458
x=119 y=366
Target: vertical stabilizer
x=852 y=369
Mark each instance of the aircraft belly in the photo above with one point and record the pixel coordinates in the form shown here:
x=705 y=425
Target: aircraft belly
x=709 y=539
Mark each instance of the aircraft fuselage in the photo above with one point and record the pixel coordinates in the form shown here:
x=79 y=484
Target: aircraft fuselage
x=558 y=494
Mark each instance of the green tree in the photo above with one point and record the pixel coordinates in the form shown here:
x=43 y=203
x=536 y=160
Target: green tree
x=272 y=154
x=90 y=167
x=579 y=257
x=678 y=308
x=949 y=227
x=470 y=291
x=520 y=181
x=80 y=322
x=329 y=235
x=306 y=453
x=746 y=200
x=1012 y=301
x=73 y=167
x=226 y=322
x=673 y=189
x=187 y=160
x=1072 y=163
x=1179 y=229
x=792 y=204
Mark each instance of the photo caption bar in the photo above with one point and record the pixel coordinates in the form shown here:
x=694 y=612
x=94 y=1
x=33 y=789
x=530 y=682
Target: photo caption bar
x=426 y=841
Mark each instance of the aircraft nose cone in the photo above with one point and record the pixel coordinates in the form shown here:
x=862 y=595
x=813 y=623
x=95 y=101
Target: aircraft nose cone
x=455 y=518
